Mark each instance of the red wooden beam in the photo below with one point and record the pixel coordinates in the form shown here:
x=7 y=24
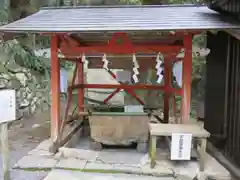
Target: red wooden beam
x=167 y=83
x=133 y=94
x=55 y=89
x=186 y=80
x=119 y=44
x=147 y=49
x=127 y=87
x=80 y=90
x=129 y=91
x=111 y=95
x=69 y=101
x=174 y=107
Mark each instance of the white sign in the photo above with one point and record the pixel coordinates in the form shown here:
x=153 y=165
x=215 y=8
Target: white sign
x=133 y=108
x=177 y=72
x=63 y=80
x=7 y=105
x=181 y=146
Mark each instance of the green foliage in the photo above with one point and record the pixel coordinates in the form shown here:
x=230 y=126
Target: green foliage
x=20 y=50
x=130 y=1
x=23 y=56
x=3 y=17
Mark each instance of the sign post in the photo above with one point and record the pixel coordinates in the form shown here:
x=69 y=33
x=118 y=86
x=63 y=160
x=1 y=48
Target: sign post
x=7 y=114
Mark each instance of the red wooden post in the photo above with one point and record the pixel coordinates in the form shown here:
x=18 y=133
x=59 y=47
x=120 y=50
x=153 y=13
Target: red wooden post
x=55 y=89
x=80 y=90
x=167 y=83
x=186 y=80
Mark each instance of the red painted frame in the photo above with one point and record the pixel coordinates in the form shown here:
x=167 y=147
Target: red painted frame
x=119 y=44
x=55 y=89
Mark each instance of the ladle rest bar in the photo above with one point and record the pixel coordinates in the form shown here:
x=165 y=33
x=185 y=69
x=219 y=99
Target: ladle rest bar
x=112 y=106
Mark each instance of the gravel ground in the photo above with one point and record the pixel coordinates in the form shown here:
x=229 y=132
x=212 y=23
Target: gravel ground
x=25 y=135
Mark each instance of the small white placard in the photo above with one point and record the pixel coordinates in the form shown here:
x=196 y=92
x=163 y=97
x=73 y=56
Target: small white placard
x=133 y=108
x=177 y=72
x=7 y=105
x=181 y=146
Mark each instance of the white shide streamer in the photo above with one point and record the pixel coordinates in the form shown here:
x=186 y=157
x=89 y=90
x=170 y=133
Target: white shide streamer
x=159 y=69
x=85 y=61
x=135 y=69
x=177 y=72
x=105 y=61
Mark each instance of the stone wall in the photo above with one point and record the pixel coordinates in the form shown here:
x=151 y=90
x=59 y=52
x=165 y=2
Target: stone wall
x=31 y=87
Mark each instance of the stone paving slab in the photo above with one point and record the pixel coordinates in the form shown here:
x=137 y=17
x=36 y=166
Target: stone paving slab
x=73 y=175
x=71 y=163
x=122 y=168
x=158 y=170
x=118 y=160
x=44 y=145
x=126 y=157
x=82 y=154
x=128 y=169
x=40 y=152
x=212 y=169
x=36 y=162
x=99 y=166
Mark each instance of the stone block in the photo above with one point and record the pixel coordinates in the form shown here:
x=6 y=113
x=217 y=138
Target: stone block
x=122 y=133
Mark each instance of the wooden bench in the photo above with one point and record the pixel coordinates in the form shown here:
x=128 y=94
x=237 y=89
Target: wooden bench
x=198 y=133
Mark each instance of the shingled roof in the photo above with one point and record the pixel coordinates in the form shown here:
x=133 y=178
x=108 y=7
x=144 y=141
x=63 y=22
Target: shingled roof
x=121 y=18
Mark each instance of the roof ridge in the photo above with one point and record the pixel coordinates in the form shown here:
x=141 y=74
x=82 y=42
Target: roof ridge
x=124 y=6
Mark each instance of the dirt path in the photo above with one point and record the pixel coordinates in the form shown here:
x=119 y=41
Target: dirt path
x=25 y=135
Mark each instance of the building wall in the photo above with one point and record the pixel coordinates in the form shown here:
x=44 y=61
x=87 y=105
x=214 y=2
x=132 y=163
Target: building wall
x=222 y=101
x=228 y=7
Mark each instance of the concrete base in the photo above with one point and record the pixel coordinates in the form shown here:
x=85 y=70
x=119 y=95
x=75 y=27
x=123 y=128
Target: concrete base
x=114 y=161
x=73 y=175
